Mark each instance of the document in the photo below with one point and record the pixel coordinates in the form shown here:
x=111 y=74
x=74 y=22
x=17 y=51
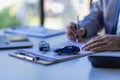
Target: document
x=52 y=54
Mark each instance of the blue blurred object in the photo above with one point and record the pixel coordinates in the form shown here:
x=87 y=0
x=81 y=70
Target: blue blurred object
x=35 y=31
x=67 y=50
x=44 y=46
x=14 y=42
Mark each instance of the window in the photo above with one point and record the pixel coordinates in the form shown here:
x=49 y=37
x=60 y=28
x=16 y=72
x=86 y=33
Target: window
x=8 y=10
x=58 y=13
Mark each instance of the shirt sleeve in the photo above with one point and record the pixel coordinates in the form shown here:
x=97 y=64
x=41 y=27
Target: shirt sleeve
x=94 y=21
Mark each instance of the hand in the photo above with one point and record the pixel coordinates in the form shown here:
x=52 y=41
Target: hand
x=72 y=33
x=103 y=43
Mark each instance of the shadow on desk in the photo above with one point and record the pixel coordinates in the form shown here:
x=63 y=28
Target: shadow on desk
x=104 y=74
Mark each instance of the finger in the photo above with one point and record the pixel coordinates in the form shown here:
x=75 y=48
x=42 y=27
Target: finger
x=70 y=32
x=100 y=49
x=95 y=40
x=71 y=37
x=72 y=26
x=80 y=39
x=98 y=37
x=81 y=32
x=94 y=45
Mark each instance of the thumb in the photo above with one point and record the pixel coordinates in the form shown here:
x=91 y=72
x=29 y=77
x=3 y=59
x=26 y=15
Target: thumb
x=80 y=34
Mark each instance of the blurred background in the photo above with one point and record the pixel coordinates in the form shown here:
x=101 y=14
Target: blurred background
x=57 y=13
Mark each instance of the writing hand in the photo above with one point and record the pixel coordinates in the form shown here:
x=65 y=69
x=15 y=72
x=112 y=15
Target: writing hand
x=72 y=33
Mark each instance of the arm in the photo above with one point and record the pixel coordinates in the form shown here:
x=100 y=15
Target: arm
x=94 y=21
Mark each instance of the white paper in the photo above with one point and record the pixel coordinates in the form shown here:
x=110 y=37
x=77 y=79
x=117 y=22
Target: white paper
x=52 y=54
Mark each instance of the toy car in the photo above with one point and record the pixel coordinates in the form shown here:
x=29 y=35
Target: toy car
x=44 y=46
x=67 y=50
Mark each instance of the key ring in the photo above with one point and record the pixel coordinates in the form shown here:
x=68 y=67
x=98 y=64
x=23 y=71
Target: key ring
x=44 y=46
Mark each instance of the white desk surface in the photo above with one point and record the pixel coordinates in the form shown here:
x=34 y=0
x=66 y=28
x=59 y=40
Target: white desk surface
x=77 y=69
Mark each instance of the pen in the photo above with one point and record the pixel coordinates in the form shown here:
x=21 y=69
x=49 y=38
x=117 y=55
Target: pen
x=77 y=27
x=21 y=55
x=27 y=56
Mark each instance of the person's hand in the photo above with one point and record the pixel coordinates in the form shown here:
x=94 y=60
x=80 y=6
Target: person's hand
x=103 y=43
x=72 y=33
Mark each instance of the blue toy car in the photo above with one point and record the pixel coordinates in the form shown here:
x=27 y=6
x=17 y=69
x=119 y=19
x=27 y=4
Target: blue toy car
x=67 y=50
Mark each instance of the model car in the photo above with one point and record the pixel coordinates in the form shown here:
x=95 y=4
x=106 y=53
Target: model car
x=67 y=50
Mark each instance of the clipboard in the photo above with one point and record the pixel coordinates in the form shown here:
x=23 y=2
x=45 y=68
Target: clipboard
x=49 y=57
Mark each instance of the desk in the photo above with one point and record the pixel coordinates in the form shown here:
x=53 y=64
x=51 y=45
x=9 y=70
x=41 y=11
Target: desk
x=77 y=69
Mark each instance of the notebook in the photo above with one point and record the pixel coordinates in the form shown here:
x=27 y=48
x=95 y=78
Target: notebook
x=14 y=41
x=35 y=31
